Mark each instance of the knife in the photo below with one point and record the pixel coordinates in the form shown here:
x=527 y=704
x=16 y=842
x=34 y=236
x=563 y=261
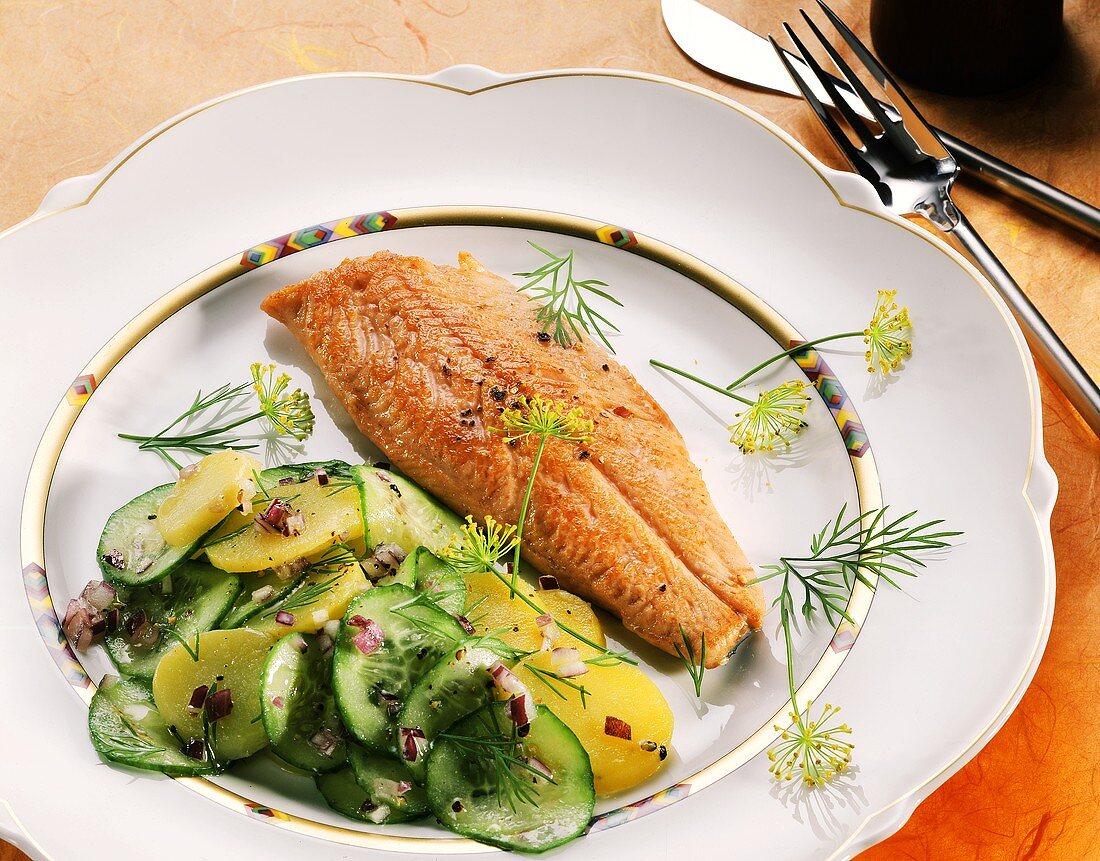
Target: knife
x=725 y=47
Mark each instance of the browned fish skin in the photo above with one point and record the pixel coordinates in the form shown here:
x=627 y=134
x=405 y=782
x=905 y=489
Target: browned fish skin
x=425 y=357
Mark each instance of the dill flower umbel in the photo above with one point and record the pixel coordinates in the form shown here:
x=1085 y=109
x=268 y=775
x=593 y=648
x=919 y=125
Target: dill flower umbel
x=541 y=417
x=776 y=417
x=815 y=748
x=887 y=335
x=287 y=412
x=478 y=548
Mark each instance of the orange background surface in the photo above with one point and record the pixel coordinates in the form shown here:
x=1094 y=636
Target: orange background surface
x=81 y=80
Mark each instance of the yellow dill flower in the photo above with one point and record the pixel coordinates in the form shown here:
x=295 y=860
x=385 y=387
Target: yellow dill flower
x=776 y=417
x=541 y=417
x=815 y=748
x=887 y=335
x=288 y=412
x=477 y=548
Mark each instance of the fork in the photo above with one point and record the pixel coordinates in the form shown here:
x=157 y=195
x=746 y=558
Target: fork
x=912 y=172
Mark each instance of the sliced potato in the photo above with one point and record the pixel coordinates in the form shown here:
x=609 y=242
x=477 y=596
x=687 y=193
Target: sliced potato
x=622 y=692
x=205 y=493
x=490 y=607
x=331 y=515
x=232 y=659
x=319 y=598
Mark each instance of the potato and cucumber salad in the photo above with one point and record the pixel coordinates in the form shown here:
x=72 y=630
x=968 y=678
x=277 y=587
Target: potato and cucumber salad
x=313 y=611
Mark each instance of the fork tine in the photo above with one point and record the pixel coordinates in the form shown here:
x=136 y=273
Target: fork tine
x=865 y=96
x=895 y=131
x=849 y=149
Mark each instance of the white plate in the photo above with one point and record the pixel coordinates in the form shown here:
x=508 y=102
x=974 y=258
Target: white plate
x=932 y=674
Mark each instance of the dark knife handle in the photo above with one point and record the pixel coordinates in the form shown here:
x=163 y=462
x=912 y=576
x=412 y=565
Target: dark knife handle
x=1023 y=186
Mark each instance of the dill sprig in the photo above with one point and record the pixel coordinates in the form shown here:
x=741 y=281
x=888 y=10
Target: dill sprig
x=695 y=667
x=475 y=548
x=545 y=419
x=306 y=596
x=499 y=751
x=287 y=413
x=845 y=551
x=564 y=311
x=425 y=624
x=173 y=632
x=553 y=681
x=134 y=743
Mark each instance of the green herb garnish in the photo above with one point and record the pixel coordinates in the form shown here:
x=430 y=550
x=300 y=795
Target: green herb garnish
x=695 y=668
x=564 y=310
x=287 y=413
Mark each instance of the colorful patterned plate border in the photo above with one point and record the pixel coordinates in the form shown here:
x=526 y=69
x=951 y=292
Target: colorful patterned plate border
x=80 y=392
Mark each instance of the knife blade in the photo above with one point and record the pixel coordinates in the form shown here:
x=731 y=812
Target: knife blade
x=724 y=46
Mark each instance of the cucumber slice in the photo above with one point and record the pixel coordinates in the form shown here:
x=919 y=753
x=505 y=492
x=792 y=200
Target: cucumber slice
x=344 y=795
x=131 y=551
x=127 y=728
x=367 y=790
x=474 y=790
x=398 y=512
x=388 y=786
x=415 y=634
x=200 y=595
x=245 y=606
x=297 y=705
x=405 y=573
x=456 y=686
x=337 y=470
x=436 y=578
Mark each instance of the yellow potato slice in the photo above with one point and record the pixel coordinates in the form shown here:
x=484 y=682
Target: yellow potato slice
x=204 y=494
x=234 y=659
x=331 y=515
x=623 y=692
x=320 y=598
x=491 y=608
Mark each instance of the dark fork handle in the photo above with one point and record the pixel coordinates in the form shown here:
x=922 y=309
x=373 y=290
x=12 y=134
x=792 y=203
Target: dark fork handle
x=1022 y=186
x=1059 y=362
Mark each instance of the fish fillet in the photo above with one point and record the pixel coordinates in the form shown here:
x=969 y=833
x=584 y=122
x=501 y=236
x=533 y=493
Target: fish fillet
x=425 y=357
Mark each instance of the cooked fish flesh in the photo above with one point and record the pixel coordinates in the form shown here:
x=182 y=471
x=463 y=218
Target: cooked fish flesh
x=425 y=357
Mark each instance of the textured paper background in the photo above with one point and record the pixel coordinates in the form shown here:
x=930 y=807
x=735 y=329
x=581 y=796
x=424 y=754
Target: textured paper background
x=80 y=80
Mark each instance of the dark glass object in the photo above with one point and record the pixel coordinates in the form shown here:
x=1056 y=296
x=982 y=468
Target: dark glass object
x=966 y=47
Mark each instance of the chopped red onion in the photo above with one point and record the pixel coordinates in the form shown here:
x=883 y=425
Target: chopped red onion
x=521 y=709
x=466 y=624
x=325 y=643
x=548 y=582
x=392 y=788
x=506 y=680
x=379 y=814
x=277 y=702
x=280 y=519
x=573 y=668
x=616 y=728
x=112 y=620
x=332 y=628
x=264 y=593
x=198 y=698
x=369 y=639
x=358 y=621
x=302 y=646
x=219 y=704
x=99 y=595
x=195 y=749
x=325 y=741
x=551 y=633
x=295 y=523
x=284 y=618
x=541 y=767
x=322 y=476
x=290 y=479
x=389 y=555
x=413 y=743
x=561 y=656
